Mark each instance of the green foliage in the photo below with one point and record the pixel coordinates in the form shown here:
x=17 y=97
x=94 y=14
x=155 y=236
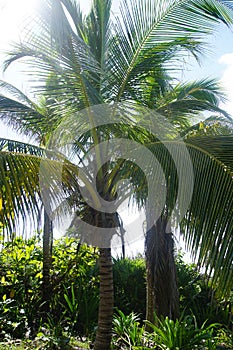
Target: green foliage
x=181 y=334
x=20 y=287
x=197 y=297
x=166 y=334
x=53 y=338
x=74 y=304
x=224 y=339
x=127 y=332
x=75 y=285
x=74 y=280
x=130 y=285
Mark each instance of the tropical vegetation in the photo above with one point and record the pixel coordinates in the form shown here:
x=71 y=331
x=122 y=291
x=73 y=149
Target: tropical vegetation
x=74 y=306
x=122 y=69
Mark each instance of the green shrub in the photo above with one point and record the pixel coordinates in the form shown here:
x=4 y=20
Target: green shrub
x=130 y=285
x=75 y=286
x=198 y=298
x=20 y=287
x=183 y=334
x=127 y=332
x=224 y=339
x=74 y=276
x=166 y=334
x=75 y=290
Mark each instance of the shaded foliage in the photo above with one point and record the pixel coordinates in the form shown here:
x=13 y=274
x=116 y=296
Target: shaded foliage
x=75 y=282
x=74 y=302
x=130 y=285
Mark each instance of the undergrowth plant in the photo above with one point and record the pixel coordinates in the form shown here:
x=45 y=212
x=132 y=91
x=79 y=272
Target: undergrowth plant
x=166 y=334
x=75 y=296
x=74 y=280
x=127 y=332
x=181 y=334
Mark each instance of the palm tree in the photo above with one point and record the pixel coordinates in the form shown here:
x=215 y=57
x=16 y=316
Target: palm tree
x=98 y=59
x=15 y=111
x=19 y=110
x=162 y=284
x=179 y=105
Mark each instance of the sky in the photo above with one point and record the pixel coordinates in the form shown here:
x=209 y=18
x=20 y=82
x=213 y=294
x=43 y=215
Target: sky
x=217 y=63
x=15 y=14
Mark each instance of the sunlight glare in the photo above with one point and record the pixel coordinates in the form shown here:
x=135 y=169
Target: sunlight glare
x=12 y=17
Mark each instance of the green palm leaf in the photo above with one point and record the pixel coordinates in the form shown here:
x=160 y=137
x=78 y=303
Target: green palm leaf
x=70 y=60
x=189 y=99
x=208 y=222
x=17 y=110
x=20 y=147
x=220 y=147
x=19 y=189
x=147 y=28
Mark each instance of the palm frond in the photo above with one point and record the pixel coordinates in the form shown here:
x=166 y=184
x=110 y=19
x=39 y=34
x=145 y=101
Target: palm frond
x=185 y=101
x=78 y=19
x=7 y=145
x=218 y=146
x=149 y=27
x=18 y=95
x=208 y=221
x=19 y=188
x=27 y=181
x=60 y=50
x=36 y=119
x=228 y=3
x=99 y=30
x=19 y=111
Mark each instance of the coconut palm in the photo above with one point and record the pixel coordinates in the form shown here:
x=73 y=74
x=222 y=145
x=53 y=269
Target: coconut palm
x=179 y=107
x=14 y=111
x=20 y=110
x=162 y=284
x=129 y=59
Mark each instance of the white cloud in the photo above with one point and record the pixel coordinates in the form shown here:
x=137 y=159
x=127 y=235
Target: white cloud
x=227 y=80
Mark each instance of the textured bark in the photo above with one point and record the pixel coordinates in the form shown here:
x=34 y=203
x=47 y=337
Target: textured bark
x=104 y=331
x=106 y=292
x=161 y=272
x=122 y=235
x=47 y=261
x=150 y=298
x=110 y=222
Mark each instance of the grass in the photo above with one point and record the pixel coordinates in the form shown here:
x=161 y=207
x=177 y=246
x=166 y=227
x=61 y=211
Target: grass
x=26 y=345
x=4 y=346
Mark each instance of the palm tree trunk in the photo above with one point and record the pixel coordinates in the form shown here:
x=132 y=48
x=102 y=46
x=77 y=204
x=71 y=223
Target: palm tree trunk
x=150 y=298
x=104 y=330
x=47 y=260
x=161 y=272
x=106 y=292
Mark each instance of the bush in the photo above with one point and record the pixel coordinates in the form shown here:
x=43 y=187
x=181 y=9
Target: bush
x=20 y=288
x=198 y=298
x=166 y=334
x=127 y=332
x=130 y=285
x=74 y=279
x=182 y=334
x=75 y=291
x=75 y=286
